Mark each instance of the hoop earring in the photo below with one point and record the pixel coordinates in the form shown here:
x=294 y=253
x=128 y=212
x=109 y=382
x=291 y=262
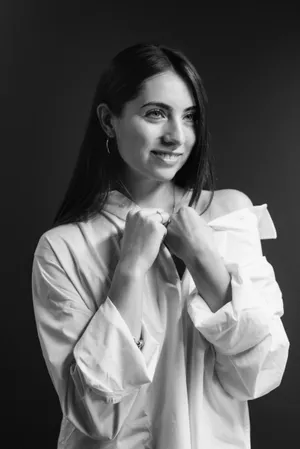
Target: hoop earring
x=107 y=147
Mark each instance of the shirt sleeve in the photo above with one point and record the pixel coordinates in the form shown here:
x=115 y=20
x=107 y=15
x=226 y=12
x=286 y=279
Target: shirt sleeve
x=251 y=345
x=94 y=363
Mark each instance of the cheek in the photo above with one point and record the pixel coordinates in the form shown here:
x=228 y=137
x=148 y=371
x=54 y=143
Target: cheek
x=134 y=137
x=190 y=139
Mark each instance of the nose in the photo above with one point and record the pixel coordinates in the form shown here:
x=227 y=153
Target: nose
x=174 y=133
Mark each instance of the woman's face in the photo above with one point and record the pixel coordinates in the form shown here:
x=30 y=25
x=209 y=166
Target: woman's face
x=155 y=134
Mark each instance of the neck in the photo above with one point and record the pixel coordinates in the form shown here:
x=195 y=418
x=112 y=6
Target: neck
x=147 y=193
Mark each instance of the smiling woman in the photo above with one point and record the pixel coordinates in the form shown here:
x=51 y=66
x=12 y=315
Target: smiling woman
x=154 y=135
x=158 y=315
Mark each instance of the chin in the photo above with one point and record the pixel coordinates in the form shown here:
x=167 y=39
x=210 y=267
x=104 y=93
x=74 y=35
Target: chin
x=164 y=175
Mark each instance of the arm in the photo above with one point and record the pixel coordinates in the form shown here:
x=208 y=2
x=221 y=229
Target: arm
x=96 y=368
x=206 y=266
x=251 y=346
x=126 y=293
x=212 y=279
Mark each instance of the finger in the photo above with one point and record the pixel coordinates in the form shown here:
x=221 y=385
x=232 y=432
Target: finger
x=161 y=216
x=156 y=214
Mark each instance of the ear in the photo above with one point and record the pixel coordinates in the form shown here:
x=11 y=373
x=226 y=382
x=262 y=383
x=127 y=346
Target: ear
x=105 y=118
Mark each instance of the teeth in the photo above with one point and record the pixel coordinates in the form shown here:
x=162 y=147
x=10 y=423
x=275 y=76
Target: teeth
x=166 y=156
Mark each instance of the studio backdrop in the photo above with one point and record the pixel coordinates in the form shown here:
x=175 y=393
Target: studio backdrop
x=51 y=58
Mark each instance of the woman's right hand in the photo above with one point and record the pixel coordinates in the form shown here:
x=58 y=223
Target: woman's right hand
x=143 y=235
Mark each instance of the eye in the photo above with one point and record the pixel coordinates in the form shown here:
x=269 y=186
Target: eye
x=191 y=117
x=155 y=113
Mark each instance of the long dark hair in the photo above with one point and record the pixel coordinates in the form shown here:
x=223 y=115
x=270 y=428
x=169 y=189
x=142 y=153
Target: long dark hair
x=96 y=172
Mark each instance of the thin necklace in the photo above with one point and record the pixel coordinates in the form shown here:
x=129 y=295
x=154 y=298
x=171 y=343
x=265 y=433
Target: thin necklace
x=125 y=188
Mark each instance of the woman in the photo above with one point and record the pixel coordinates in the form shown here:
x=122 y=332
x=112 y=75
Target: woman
x=158 y=315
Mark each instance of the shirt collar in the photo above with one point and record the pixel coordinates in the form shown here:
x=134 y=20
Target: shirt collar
x=119 y=205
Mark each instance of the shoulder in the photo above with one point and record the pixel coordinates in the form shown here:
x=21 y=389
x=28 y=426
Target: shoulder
x=231 y=199
x=226 y=201
x=78 y=238
x=54 y=237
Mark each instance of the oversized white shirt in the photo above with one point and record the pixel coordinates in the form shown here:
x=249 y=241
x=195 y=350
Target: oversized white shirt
x=188 y=387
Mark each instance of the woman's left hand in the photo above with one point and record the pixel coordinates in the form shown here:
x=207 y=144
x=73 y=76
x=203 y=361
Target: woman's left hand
x=191 y=239
x=189 y=236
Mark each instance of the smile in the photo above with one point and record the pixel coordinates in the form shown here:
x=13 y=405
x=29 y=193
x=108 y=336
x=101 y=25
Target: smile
x=166 y=157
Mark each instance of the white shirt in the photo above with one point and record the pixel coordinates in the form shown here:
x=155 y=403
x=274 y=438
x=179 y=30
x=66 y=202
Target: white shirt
x=188 y=387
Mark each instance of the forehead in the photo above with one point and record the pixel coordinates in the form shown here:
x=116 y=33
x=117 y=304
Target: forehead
x=167 y=88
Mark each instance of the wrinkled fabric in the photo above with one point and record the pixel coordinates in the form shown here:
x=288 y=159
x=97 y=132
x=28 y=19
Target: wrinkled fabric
x=188 y=387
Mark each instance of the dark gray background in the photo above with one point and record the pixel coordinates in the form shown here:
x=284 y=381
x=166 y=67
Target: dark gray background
x=51 y=56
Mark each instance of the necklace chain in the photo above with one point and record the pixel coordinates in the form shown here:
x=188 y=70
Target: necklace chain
x=125 y=188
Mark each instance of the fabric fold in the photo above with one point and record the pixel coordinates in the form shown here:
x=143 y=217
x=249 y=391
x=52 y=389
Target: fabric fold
x=189 y=385
x=108 y=357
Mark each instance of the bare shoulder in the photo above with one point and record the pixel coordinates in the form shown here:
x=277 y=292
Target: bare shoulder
x=231 y=199
x=228 y=200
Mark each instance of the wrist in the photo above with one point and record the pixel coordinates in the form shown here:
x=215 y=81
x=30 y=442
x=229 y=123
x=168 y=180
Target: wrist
x=129 y=270
x=212 y=279
x=200 y=259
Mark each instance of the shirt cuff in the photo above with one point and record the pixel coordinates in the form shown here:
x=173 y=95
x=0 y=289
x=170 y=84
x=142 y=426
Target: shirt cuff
x=108 y=357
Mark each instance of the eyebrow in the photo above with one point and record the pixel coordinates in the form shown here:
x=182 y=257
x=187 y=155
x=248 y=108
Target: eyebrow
x=166 y=106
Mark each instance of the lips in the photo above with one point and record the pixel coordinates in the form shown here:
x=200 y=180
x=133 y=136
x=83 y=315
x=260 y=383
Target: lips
x=166 y=157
